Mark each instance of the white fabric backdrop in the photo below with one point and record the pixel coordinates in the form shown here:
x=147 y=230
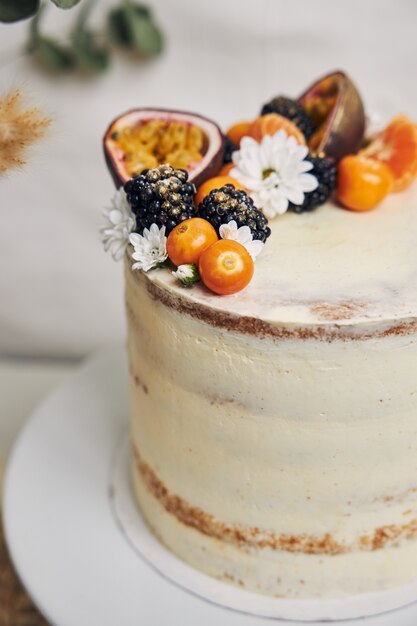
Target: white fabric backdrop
x=60 y=295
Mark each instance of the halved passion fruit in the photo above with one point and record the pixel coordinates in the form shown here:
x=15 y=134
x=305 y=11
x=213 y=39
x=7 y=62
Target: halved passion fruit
x=144 y=138
x=334 y=105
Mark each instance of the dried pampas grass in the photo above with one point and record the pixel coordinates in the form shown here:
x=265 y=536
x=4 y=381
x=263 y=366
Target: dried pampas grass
x=19 y=129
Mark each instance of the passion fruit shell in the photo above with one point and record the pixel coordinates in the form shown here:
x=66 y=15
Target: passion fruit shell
x=336 y=109
x=144 y=138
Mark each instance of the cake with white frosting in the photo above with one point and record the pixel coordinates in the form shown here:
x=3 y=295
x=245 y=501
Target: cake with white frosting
x=274 y=428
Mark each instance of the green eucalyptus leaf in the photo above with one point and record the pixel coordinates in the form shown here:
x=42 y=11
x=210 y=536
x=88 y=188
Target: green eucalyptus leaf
x=53 y=56
x=118 y=27
x=146 y=36
x=34 y=29
x=65 y=4
x=90 y=55
x=120 y=24
x=15 y=10
x=141 y=10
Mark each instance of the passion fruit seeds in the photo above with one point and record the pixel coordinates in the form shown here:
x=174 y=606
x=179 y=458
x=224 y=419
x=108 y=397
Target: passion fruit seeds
x=145 y=138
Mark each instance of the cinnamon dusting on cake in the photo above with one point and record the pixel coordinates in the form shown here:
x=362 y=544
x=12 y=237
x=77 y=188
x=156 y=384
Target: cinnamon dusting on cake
x=228 y=576
x=221 y=400
x=335 y=312
x=253 y=537
x=140 y=383
x=248 y=325
x=398 y=497
x=390 y=534
x=240 y=535
x=137 y=379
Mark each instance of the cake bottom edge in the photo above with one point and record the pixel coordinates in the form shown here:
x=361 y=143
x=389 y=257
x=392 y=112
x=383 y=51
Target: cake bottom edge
x=276 y=573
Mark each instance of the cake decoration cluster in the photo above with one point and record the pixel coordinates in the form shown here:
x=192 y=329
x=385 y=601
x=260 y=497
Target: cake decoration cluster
x=199 y=201
x=156 y=214
x=275 y=170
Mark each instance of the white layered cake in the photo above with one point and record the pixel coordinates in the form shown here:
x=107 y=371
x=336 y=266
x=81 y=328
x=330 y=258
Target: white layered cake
x=271 y=295
x=274 y=431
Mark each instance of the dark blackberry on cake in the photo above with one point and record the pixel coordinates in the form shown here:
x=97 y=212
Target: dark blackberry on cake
x=223 y=205
x=229 y=148
x=325 y=171
x=161 y=195
x=291 y=110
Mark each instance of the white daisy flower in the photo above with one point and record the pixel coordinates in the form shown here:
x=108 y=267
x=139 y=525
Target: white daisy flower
x=242 y=235
x=150 y=249
x=274 y=171
x=119 y=222
x=187 y=274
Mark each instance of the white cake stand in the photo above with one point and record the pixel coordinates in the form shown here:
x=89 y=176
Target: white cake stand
x=84 y=553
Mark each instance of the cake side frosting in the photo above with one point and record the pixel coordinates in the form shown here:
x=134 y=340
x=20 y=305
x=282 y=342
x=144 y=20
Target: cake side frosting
x=301 y=451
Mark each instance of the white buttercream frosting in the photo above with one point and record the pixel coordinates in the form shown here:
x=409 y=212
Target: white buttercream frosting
x=307 y=438
x=361 y=267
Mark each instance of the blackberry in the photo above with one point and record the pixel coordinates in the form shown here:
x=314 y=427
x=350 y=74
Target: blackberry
x=229 y=148
x=223 y=205
x=291 y=110
x=161 y=195
x=325 y=171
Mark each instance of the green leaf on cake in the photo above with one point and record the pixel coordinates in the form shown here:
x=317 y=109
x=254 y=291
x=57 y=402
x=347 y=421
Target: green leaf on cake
x=15 y=10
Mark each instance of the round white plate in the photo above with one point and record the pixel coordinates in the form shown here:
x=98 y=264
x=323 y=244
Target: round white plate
x=64 y=539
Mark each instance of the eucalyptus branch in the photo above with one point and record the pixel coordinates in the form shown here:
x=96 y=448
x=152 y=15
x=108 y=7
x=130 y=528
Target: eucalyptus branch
x=129 y=26
x=51 y=54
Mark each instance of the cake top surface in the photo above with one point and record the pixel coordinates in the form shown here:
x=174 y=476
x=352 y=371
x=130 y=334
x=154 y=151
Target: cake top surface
x=329 y=266
x=304 y=216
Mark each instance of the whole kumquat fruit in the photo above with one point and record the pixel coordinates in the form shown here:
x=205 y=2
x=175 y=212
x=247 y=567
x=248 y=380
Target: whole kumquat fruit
x=215 y=183
x=271 y=123
x=396 y=146
x=237 y=131
x=362 y=183
x=189 y=239
x=226 y=267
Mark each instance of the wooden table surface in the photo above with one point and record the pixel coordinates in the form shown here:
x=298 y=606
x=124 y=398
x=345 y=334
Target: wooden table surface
x=16 y=608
